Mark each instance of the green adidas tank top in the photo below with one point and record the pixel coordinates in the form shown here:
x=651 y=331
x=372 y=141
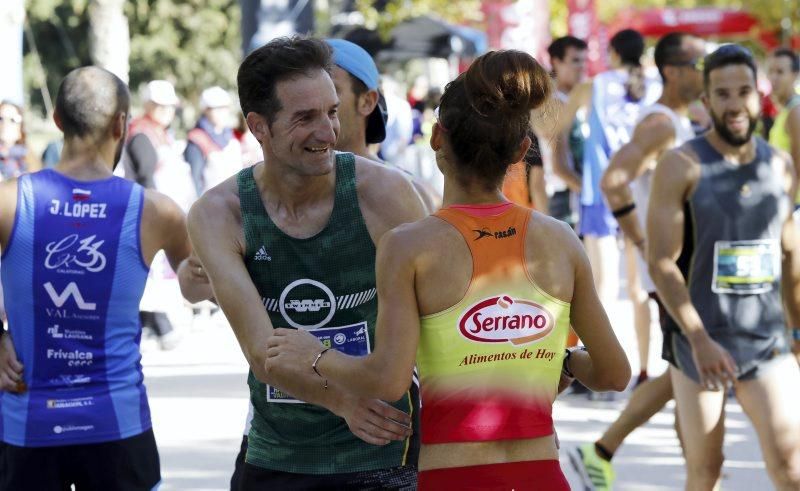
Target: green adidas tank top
x=326 y=285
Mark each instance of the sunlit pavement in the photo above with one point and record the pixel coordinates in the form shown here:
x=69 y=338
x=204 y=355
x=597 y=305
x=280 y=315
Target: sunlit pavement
x=198 y=397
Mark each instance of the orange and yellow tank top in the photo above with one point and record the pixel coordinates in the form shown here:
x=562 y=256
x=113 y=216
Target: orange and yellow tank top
x=489 y=365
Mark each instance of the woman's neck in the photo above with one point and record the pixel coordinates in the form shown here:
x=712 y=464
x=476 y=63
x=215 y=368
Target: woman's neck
x=472 y=193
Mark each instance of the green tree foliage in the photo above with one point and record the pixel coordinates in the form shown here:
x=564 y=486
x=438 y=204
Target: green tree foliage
x=192 y=43
x=768 y=12
x=384 y=15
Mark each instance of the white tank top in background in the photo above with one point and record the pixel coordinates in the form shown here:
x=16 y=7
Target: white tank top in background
x=641 y=186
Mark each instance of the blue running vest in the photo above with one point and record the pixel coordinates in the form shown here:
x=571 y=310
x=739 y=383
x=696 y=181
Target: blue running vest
x=73 y=275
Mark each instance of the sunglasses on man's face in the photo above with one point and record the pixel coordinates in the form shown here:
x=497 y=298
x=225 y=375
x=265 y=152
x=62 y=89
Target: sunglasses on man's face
x=11 y=119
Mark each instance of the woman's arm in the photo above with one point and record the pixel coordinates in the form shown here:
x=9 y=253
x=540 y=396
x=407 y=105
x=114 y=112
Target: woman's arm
x=385 y=373
x=604 y=366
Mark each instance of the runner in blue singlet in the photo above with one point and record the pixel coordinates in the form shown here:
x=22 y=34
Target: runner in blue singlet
x=77 y=244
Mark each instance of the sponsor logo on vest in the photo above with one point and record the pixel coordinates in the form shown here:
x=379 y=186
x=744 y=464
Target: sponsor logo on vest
x=70 y=403
x=70 y=380
x=262 y=255
x=77 y=210
x=71 y=290
x=502 y=234
x=75 y=358
x=65 y=258
x=289 y=307
x=58 y=429
x=67 y=314
x=499 y=319
x=55 y=333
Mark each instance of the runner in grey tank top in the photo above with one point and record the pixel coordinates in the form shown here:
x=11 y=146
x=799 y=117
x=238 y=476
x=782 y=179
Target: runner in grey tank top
x=734 y=222
x=723 y=251
x=626 y=184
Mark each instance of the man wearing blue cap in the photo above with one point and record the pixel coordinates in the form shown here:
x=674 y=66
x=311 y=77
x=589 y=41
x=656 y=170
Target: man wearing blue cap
x=362 y=108
x=290 y=242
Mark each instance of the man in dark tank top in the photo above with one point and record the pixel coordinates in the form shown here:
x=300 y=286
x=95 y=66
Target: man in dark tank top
x=290 y=242
x=724 y=254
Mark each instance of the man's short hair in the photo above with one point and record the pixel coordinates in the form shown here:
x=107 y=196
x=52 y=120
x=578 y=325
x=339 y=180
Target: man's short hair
x=88 y=100
x=629 y=45
x=669 y=51
x=558 y=48
x=793 y=57
x=726 y=55
x=281 y=59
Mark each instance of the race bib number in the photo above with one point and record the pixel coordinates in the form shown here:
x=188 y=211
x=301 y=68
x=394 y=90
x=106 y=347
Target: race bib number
x=351 y=340
x=745 y=267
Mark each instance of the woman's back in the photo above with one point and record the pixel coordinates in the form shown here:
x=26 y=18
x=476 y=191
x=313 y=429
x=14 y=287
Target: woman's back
x=493 y=287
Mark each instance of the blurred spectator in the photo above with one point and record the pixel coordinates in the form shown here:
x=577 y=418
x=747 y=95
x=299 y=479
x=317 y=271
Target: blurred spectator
x=52 y=153
x=784 y=72
x=524 y=181
x=154 y=160
x=251 y=148
x=417 y=97
x=399 y=126
x=568 y=57
x=13 y=152
x=699 y=117
x=212 y=151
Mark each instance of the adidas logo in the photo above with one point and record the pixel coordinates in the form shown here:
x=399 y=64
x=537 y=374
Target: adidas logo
x=262 y=255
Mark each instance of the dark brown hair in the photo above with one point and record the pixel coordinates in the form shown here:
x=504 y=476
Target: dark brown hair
x=281 y=59
x=486 y=111
x=794 y=59
x=88 y=100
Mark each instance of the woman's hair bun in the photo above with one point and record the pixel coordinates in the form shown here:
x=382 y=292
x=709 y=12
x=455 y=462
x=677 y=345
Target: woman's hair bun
x=506 y=83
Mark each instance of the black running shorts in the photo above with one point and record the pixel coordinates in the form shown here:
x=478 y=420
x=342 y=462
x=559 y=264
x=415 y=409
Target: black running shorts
x=124 y=465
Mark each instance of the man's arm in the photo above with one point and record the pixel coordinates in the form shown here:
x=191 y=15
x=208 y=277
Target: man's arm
x=793 y=130
x=394 y=272
x=652 y=136
x=386 y=372
x=384 y=211
x=579 y=97
x=197 y=162
x=604 y=366
x=674 y=179
x=143 y=159
x=10 y=367
x=790 y=244
x=538 y=189
x=218 y=241
x=169 y=233
x=561 y=167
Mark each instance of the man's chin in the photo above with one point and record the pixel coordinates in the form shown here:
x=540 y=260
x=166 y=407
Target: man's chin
x=737 y=138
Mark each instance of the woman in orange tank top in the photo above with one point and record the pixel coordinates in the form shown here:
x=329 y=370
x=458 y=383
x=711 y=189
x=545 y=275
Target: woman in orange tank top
x=479 y=297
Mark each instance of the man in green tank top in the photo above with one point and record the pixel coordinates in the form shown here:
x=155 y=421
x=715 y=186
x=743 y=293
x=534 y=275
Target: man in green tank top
x=290 y=242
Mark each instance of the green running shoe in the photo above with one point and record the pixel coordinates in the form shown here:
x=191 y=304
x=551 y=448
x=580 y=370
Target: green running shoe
x=597 y=474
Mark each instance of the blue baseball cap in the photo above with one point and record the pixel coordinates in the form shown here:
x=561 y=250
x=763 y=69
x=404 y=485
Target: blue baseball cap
x=353 y=59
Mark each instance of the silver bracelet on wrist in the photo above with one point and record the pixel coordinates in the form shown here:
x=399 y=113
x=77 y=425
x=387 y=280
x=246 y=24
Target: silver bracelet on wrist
x=314 y=365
